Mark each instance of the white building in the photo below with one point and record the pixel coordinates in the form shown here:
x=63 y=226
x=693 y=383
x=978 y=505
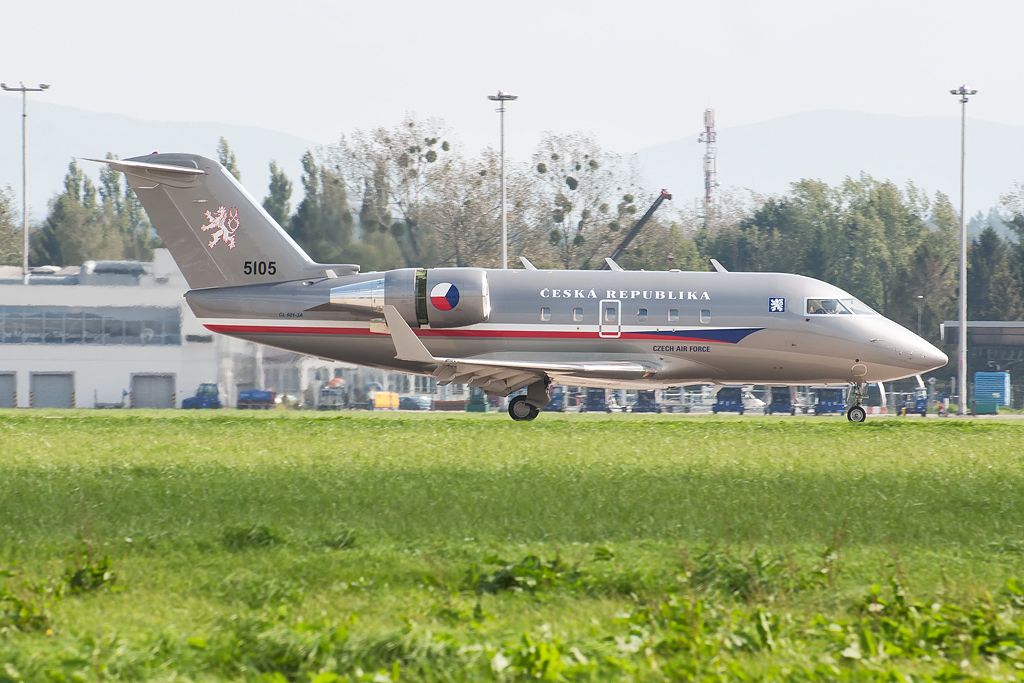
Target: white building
x=102 y=334
x=119 y=334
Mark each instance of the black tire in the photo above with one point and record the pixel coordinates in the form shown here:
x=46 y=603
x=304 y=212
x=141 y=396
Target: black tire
x=519 y=410
x=856 y=414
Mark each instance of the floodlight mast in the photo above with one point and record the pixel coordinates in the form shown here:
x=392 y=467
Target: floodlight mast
x=502 y=98
x=961 y=380
x=23 y=89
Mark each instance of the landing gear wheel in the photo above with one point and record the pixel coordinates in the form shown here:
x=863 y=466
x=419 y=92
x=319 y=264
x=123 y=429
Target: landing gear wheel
x=856 y=414
x=519 y=409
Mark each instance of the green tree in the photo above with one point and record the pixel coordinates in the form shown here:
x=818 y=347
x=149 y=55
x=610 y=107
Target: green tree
x=227 y=158
x=278 y=200
x=993 y=290
x=120 y=210
x=409 y=163
x=586 y=198
x=322 y=224
x=75 y=230
x=662 y=245
x=375 y=247
x=10 y=233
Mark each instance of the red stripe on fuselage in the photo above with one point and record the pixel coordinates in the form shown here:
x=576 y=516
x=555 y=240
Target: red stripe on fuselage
x=495 y=334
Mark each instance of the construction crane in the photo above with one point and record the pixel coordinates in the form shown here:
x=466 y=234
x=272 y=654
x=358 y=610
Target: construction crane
x=635 y=230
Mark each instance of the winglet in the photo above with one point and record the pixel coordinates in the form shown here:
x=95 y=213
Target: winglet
x=526 y=263
x=719 y=268
x=612 y=264
x=407 y=345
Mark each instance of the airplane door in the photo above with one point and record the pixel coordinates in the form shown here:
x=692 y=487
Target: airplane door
x=610 y=323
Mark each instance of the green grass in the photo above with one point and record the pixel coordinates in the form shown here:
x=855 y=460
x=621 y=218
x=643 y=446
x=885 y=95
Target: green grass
x=231 y=545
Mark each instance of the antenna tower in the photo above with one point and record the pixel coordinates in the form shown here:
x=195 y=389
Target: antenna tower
x=708 y=138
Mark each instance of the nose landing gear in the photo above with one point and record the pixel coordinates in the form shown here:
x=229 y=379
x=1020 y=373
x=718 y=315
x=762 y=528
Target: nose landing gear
x=856 y=413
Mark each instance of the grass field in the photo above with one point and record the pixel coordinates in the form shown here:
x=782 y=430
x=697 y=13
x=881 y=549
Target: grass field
x=223 y=545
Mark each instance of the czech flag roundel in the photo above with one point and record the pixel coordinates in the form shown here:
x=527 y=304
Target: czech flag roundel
x=444 y=296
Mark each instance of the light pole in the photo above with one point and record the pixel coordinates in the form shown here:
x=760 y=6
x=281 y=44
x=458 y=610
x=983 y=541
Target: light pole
x=24 y=170
x=501 y=98
x=919 y=300
x=961 y=381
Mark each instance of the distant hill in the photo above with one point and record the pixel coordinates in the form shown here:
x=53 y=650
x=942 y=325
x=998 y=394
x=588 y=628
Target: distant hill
x=765 y=157
x=830 y=145
x=57 y=133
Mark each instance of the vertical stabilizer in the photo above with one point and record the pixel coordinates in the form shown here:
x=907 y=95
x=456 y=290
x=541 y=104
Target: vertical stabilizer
x=217 y=233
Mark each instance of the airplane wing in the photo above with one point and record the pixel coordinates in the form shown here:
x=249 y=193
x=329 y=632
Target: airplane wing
x=496 y=375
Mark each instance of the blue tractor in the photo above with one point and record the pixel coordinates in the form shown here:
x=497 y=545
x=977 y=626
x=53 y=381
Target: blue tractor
x=829 y=401
x=728 y=400
x=207 y=396
x=916 y=403
x=781 y=401
x=646 y=402
x=595 y=401
x=557 y=402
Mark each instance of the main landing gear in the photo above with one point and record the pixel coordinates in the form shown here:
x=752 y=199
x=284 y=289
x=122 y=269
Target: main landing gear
x=520 y=409
x=856 y=413
x=528 y=407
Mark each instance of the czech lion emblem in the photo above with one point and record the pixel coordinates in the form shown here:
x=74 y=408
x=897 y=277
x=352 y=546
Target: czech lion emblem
x=224 y=223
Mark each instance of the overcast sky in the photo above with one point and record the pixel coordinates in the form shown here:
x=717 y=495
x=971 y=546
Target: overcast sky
x=633 y=73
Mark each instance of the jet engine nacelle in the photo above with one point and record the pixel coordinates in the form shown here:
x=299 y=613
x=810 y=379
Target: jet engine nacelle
x=438 y=297
x=457 y=297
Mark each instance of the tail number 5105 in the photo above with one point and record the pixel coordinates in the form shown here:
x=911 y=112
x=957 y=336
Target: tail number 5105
x=259 y=268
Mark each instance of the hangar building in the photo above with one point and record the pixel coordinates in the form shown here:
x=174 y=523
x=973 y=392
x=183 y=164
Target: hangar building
x=103 y=334
x=119 y=334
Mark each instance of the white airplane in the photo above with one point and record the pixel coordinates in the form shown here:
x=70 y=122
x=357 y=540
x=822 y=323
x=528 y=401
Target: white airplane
x=503 y=330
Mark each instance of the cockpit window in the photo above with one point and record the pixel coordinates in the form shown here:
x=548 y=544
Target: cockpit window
x=826 y=307
x=859 y=307
x=838 y=307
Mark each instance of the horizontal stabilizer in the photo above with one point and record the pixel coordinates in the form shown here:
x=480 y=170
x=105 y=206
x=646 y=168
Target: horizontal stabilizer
x=127 y=166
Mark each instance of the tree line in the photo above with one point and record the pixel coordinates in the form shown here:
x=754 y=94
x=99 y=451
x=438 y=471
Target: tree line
x=408 y=196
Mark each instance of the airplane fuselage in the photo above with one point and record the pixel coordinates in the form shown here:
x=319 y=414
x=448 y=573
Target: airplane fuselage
x=687 y=326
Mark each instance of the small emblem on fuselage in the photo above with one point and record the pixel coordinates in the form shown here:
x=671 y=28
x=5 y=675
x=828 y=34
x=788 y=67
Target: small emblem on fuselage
x=224 y=223
x=776 y=304
x=444 y=296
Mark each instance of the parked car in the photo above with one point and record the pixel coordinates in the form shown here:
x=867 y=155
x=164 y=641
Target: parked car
x=415 y=403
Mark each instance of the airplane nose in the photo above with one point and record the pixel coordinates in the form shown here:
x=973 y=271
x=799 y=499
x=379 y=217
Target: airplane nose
x=929 y=357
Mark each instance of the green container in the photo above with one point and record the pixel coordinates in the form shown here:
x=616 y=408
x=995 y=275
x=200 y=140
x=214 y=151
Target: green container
x=986 y=406
x=477 y=402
